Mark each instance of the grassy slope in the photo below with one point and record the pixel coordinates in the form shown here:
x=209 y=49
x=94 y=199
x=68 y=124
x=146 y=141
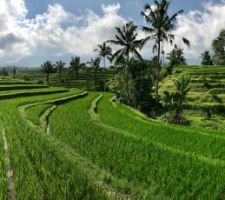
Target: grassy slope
x=207 y=91
x=127 y=152
x=40 y=169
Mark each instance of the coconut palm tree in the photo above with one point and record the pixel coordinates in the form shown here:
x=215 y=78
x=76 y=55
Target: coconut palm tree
x=206 y=58
x=104 y=51
x=126 y=38
x=95 y=64
x=47 y=68
x=159 y=30
x=14 y=72
x=60 y=66
x=75 y=65
x=182 y=88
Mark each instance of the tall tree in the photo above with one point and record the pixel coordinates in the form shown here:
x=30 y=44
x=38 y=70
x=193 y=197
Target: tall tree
x=126 y=38
x=95 y=64
x=104 y=51
x=159 y=30
x=47 y=68
x=206 y=58
x=182 y=88
x=14 y=72
x=176 y=57
x=218 y=46
x=60 y=66
x=75 y=65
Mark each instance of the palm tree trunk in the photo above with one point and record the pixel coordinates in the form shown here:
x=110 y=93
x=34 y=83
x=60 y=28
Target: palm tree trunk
x=127 y=77
x=76 y=73
x=47 y=78
x=95 y=78
x=158 y=72
x=60 y=77
x=104 y=61
x=87 y=77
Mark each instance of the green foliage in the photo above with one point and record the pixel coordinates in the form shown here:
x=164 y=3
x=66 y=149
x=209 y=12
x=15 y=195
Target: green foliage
x=207 y=92
x=104 y=51
x=206 y=58
x=175 y=101
x=159 y=30
x=126 y=38
x=142 y=81
x=218 y=49
x=95 y=64
x=76 y=65
x=4 y=72
x=59 y=67
x=47 y=68
x=176 y=57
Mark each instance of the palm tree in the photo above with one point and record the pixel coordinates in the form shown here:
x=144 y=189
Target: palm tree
x=60 y=66
x=47 y=68
x=161 y=25
x=182 y=88
x=104 y=51
x=75 y=65
x=206 y=58
x=95 y=63
x=126 y=38
x=14 y=72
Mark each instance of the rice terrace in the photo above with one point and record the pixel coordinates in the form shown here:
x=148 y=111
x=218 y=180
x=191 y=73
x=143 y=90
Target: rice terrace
x=119 y=100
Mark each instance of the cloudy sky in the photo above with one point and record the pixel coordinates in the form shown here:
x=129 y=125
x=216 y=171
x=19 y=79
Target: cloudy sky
x=32 y=31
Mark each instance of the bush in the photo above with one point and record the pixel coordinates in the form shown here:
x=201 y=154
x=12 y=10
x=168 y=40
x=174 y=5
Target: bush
x=26 y=78
x=40 y=81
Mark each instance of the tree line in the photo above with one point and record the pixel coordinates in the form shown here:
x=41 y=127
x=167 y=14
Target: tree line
x=215 y=56
x=137 y=81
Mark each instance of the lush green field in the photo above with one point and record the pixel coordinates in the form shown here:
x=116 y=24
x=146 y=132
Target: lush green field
x=85 y=80
x=69 y=144
x=41 y=169
x=207 y=94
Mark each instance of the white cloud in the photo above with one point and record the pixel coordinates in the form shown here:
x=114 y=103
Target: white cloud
x=55 y=32
x=58 y=32
x=200 y=27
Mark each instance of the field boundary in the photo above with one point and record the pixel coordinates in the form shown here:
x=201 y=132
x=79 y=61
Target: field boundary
x=11 y=192
x=44 y=127
x=161 y=146
x=143 y=118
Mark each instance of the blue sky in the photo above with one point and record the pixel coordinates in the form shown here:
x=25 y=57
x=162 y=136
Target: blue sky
x=33 y=31
x=129 y=8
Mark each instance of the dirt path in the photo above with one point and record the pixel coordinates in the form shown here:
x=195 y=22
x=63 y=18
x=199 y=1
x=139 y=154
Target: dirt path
x=44 y=125
x=11 y=193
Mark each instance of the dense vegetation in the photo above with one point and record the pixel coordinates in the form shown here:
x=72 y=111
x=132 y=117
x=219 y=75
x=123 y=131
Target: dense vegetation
x=89 y=132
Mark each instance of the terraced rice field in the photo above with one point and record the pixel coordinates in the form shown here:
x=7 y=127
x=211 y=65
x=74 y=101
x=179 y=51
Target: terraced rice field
x=207 y=93
x=71 y=144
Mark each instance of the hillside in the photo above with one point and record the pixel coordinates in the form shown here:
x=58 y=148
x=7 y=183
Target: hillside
x=70 y=144
x=206 y=97
x=85 y=79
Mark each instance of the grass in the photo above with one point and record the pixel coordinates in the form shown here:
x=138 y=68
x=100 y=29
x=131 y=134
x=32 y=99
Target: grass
x=100 y=149
x=38 y=175
x=188 y=141
x=35 y=112
x=132 y=156
x=14 y=87
x=207 y=91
